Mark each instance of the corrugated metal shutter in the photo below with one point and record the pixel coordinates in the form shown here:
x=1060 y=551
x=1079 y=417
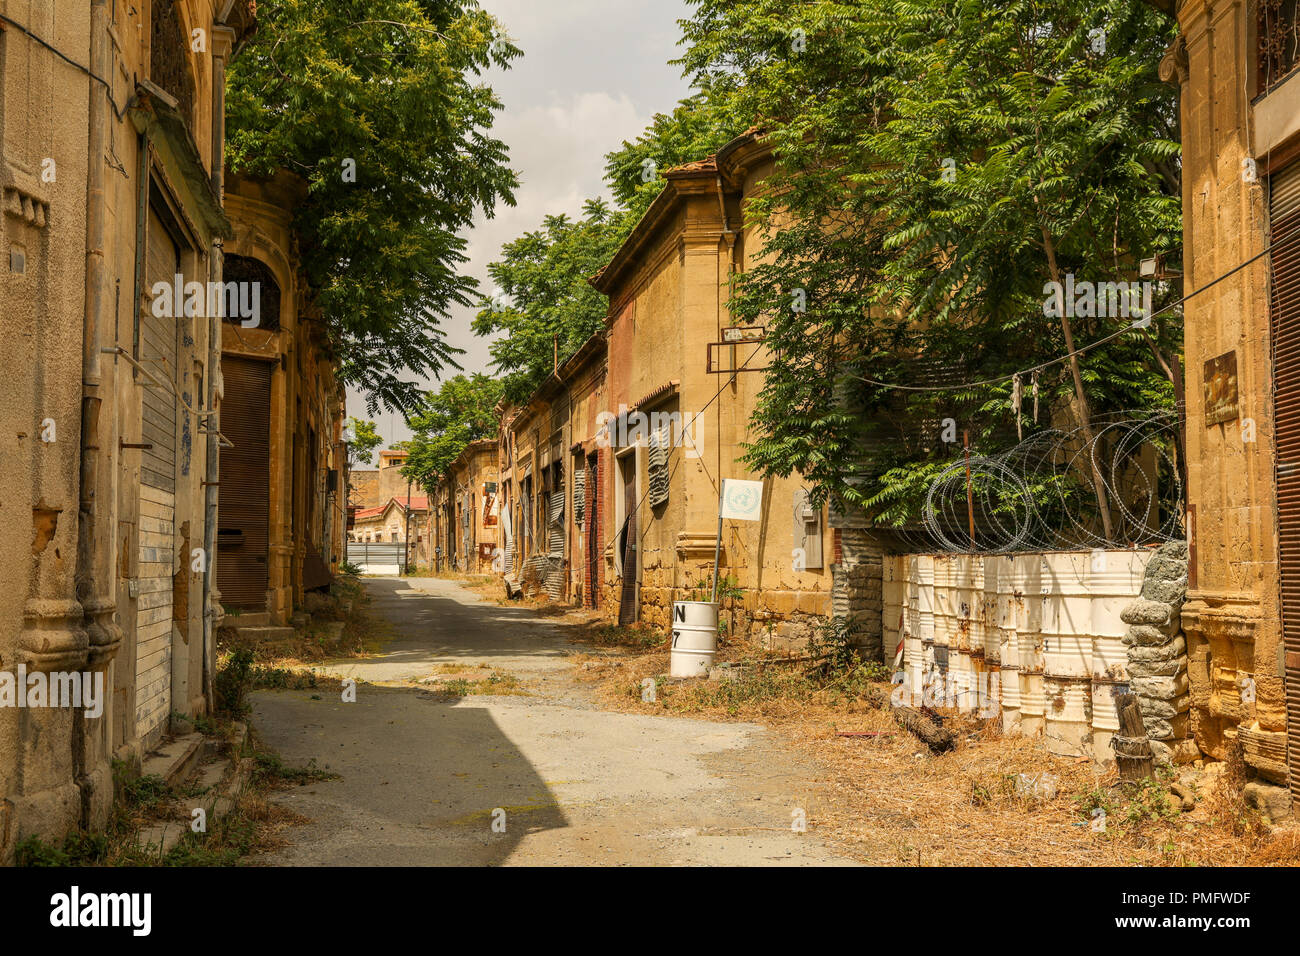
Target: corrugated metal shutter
x=579 y=495
x=556 y=515
x=467 y=522
x=555 y=524
x=157 y=493
x=158 y=355
x=244 y=512
x=1284 y=227
x=507 y=529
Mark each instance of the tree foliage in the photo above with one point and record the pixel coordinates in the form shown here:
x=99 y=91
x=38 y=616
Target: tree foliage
x=938 y=164
x=543 y=274
x=546 y=303
x=376 y=105
x=460 y=412
x=365 y=438
x=696 y=128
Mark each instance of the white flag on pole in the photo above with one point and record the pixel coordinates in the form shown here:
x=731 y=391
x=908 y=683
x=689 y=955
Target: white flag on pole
x=742 y=500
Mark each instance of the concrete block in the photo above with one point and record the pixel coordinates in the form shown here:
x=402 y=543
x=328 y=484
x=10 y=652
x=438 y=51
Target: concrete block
x=1161 y=688
x=1175 y=649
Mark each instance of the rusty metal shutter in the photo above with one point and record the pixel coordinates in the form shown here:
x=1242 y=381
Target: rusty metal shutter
x=244 y=512
x=1284 y=229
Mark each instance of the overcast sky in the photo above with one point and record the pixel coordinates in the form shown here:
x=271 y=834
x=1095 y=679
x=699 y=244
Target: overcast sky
x=592 y=75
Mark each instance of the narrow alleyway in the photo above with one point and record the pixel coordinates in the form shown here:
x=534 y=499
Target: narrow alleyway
x=421 y=773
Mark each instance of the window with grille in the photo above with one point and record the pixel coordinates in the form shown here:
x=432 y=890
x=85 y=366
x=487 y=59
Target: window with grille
x=1277 y=33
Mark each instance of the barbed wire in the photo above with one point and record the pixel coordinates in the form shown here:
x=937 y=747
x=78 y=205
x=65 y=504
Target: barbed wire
x=1040 y=495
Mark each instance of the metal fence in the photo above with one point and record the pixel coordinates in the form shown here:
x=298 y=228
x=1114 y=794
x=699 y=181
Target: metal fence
x=377 y=557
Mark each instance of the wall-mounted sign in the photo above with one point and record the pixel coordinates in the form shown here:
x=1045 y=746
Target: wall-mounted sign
x=742 y=500
x=743 y=333
x=1220 y=385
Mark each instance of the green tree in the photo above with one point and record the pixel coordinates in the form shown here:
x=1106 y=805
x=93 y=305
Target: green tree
x=695 y=129
x=377 y=106
x=938 y=164
x=463 y=410
x=545 y=301
x=365 y=439
x=546 y=308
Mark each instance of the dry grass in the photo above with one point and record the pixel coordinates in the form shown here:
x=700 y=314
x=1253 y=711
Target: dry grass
x=364 y=633
x=884 y=799
x=454 y=681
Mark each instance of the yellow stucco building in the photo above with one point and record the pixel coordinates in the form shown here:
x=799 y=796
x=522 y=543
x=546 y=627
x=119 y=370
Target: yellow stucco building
x=1235 y=64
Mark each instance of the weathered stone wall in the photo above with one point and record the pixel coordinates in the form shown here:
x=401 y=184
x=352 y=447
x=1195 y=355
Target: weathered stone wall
x=1231 y=619
x=856 y=591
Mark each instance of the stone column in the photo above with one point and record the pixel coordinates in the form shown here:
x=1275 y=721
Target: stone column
x=1157 y=655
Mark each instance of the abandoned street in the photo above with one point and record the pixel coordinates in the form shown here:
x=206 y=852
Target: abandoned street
x=422 y=771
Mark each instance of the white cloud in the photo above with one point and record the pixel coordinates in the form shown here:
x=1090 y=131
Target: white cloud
x=593 y=74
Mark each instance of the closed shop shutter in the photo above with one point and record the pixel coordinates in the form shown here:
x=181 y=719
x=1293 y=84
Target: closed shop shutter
x=158 y=355
x=1284 y=228
x=245 y=490
x=157 y=500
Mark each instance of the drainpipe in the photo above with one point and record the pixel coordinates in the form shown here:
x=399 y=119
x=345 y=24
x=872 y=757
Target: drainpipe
x=211 y=479
x=212 y=462
x=91 y=381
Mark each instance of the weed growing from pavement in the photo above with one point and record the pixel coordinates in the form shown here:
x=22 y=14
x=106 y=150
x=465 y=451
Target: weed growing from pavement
x=250 y=826
x=270 y=771
x=500 y=683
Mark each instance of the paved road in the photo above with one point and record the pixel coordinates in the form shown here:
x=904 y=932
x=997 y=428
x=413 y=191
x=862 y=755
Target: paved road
x=422 y=775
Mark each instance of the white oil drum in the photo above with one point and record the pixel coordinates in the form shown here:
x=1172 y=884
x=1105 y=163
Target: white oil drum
x=1068 y=716
x=1067 y=615
x=695 y=638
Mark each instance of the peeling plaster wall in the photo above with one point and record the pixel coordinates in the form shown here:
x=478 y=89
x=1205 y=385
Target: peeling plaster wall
x=55 y=763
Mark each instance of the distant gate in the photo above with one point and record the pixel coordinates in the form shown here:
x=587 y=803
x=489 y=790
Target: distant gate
x=377 y=557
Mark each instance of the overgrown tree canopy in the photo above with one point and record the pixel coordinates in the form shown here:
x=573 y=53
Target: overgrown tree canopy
x=376 y=105
x=940 y=162
x=547 y=306
x=546 y=302
x=460 y=412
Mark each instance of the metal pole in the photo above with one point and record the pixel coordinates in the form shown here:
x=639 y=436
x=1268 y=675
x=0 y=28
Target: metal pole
x=406 y=547
x=717 y=545
x=970 y=501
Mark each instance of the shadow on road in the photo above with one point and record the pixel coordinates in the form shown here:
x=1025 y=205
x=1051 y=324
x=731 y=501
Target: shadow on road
x=424 y=780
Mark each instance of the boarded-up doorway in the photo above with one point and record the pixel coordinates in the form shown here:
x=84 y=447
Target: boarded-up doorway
x=244 y=512
x=627 y=604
